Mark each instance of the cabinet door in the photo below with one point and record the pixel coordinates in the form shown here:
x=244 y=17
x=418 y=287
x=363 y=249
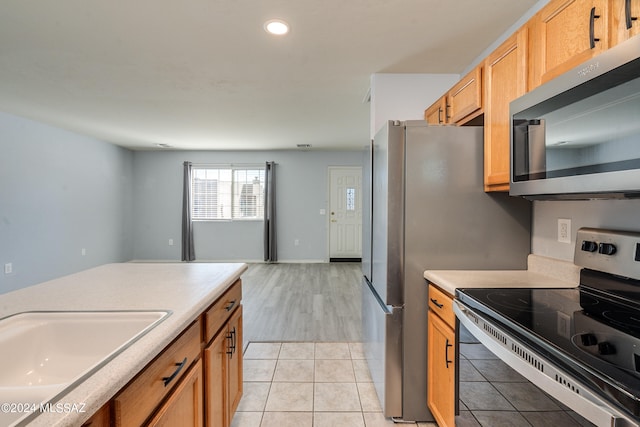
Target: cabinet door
x=184 y=405
x=625 y=22
x=235 y=362
x=505 y=80
x=441 y=371
x=223 y=373
x=215 y=372
x=567 y=33
x=435 y=115
x=464 y=100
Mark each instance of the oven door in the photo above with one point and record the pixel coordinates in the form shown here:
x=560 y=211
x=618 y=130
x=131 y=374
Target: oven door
x=540 y=371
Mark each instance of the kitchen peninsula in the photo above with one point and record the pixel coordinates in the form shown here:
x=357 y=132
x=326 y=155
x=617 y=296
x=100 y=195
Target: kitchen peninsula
x=192 y=292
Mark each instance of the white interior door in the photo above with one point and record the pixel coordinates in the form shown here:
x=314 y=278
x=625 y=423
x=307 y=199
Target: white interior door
x=345 y=213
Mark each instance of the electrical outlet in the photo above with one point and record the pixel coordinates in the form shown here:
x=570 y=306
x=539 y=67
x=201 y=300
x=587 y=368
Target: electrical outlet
x=564 y=230
x=8 y=268
x=170 y=242
x=296 y=242
x=84 y=251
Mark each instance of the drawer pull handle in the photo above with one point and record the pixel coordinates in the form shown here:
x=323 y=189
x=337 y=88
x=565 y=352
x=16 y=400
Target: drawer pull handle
x=446 y=354
x=592 y=23
x=231 y=305
x=167 y=380
x=437 y=304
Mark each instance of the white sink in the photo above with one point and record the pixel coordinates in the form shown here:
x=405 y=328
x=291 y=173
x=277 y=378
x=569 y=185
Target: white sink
x=45 y=353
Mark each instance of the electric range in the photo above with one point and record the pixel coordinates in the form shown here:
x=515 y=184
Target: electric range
x=581 y=345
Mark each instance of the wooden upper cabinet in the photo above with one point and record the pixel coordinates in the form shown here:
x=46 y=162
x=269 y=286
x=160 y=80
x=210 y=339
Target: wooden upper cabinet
x=505 y=74
x=625 y=20
x=564 y=34
x=436 y=114
x=464 y=100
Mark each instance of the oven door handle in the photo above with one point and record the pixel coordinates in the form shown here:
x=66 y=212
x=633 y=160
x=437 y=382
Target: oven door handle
x=587 y=404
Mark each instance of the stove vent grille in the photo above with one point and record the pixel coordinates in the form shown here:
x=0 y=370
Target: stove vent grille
x=568 y=384
x=528 y=357
x=495 y=333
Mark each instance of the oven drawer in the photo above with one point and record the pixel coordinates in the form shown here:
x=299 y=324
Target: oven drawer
x=442 y=304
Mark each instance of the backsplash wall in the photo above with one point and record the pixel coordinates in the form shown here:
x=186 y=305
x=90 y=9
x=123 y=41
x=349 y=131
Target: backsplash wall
x=612 y=214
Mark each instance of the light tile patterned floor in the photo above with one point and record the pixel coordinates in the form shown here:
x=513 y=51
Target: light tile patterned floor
x=306 y=384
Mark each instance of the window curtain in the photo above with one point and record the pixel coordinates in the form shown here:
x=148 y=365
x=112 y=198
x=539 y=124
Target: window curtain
x=188 y=252
x=270 y=246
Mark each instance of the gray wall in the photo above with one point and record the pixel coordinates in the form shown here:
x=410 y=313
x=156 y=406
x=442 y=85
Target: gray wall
x=613 y=214
x=302 y=190
x=59 y=193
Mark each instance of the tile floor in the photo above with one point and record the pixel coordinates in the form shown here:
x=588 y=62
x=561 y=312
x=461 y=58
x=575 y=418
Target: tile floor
x=306 y=384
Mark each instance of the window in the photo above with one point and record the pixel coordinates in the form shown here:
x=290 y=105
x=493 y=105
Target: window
x=227 y=192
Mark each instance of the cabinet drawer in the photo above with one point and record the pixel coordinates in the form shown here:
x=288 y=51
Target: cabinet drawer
x=137 y=400
x=442 y=304
x=220 y=311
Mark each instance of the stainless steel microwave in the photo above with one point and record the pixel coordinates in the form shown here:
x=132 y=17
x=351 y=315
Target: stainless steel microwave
x=578 y=136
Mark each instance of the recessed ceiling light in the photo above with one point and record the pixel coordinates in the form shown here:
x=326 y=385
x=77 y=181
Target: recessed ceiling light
x=277 y=27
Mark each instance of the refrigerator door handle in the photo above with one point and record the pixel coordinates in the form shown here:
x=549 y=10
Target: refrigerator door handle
x=387 y=308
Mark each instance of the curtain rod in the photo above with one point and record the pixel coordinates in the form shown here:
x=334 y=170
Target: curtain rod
x=229 y=165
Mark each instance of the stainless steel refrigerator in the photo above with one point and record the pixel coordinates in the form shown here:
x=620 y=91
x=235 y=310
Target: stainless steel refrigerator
x=426 y=210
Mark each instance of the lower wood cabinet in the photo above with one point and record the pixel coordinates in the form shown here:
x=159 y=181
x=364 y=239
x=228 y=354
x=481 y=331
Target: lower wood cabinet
x=184 y=405
x=223 y=373
x=145 y=394
x=195 y=381
x=441 y=358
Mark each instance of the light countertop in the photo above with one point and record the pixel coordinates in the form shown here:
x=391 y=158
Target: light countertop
x=541 y=272
x=186 y=289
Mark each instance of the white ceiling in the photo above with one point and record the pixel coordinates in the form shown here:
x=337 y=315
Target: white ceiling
x=203 y=74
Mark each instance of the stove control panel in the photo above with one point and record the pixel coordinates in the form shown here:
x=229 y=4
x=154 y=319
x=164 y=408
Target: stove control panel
x=610 y=251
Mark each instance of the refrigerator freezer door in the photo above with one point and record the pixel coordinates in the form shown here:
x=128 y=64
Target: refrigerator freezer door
x=382 y=334
x=387 y=218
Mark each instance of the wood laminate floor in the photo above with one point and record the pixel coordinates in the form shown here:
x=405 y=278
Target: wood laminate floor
x=302 y=302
